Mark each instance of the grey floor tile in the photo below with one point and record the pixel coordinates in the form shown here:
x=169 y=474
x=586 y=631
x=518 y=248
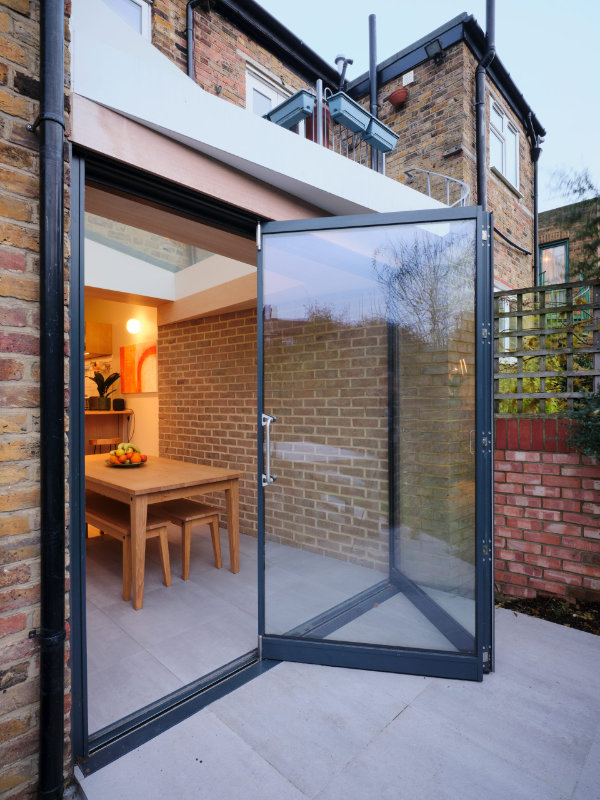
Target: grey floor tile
x=309 y=722
x=127 y=686
x=418 y=757
x=199 y=758
x=588 y=780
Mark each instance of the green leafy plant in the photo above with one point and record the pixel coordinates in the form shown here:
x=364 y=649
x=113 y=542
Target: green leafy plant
x=103 y=384
x=584 y=434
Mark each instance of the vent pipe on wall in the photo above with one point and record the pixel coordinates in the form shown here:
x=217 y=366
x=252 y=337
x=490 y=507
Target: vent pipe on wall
x=373 y=82
x=480 y=73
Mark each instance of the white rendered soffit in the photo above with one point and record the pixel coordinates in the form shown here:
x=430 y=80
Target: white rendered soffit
x=117 y=68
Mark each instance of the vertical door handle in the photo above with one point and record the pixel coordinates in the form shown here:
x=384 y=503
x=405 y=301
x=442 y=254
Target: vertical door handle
x=267 y=478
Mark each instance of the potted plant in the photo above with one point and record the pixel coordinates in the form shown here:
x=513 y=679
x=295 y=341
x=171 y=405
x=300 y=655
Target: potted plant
x=103 y=385
x=292 y=110
x=348 y=113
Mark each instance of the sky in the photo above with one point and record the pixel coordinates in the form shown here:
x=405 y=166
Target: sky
x=548 y=46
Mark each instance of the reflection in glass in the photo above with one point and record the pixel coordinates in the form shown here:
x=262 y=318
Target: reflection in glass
x=369 y=368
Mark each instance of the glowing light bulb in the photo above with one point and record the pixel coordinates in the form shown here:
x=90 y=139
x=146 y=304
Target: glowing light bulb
x=133 y=325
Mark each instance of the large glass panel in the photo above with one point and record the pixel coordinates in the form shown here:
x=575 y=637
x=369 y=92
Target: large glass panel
x=369 y=369
x=185 y=395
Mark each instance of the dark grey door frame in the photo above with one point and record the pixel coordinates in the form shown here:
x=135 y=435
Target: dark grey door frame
x=471 y=667
x=94 y=752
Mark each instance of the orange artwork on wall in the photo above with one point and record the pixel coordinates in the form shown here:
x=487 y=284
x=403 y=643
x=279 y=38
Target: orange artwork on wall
x=139 y=368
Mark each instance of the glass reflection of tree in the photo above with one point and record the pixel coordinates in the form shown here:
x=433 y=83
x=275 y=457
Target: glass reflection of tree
x=427 y=282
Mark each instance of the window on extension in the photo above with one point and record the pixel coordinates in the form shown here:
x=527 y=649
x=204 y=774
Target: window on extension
x=136 y=14
x=504 y=145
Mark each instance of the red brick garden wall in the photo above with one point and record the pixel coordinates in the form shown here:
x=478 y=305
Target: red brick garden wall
x=547 y=512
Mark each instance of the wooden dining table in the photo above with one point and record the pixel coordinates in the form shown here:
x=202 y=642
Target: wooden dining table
x=156 y=480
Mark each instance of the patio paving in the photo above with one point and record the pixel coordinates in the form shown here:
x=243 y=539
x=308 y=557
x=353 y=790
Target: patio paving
x=530 y=730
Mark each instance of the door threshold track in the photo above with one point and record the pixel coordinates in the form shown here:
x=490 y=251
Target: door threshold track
x=113 y=742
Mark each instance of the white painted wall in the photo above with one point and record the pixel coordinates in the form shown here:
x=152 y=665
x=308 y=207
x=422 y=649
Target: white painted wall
x=106 y=268
x=144 y=405
x=117 y=68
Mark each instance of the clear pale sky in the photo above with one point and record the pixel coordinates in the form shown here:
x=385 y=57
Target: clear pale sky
x=550 y=48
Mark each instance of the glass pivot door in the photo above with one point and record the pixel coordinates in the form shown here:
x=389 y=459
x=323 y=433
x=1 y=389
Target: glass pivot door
x=375 y=444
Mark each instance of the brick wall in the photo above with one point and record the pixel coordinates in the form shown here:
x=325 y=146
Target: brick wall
x=547 y=512
x=19 y=400
x=578 y=223
x=207 y=398
x=221 y=51
x=438 y=117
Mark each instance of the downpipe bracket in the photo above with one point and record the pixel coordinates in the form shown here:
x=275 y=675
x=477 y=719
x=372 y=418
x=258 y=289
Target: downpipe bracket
x=47 y=115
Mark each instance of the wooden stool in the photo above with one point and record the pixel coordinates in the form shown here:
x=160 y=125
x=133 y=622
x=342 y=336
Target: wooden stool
x=101 y=442
x=113 y=518
x=185 y=513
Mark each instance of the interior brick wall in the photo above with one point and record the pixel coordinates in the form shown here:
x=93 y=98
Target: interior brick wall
x=19 y=400
x=207 y=398
x=547 y=512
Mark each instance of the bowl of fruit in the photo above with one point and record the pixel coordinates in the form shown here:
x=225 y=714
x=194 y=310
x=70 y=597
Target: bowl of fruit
x=126 y=454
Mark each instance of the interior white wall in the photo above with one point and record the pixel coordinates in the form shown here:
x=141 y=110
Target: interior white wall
x=106 y=268
x=145 y=405
x=207 y=273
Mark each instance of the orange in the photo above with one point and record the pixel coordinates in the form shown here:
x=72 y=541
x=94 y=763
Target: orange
x=136 y=458
x=114 y=460
x=122 y=459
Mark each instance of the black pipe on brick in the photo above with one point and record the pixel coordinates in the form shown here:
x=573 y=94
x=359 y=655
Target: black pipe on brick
x=535 y=151
x=189 y=29
x=480 y=73
x=51 y=635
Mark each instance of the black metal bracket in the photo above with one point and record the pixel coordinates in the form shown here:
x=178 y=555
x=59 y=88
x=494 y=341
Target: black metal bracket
x=48 y=641
x=47 y=115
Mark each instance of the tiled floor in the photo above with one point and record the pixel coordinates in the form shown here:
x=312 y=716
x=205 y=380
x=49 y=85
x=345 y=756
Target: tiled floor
x=530 y=731
x=194 y=627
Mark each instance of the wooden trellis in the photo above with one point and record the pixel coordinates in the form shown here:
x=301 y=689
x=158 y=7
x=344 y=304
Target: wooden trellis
x=546 y=347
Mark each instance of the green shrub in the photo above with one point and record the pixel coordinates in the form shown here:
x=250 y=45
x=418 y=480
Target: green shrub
x=584 y=434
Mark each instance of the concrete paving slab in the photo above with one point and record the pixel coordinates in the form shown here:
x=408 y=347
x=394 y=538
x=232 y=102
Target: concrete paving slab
x=531 y=731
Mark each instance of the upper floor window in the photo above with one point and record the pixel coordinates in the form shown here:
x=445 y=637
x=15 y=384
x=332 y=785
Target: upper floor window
x=554 y=262
x=136 y=13
x=504 y=145
x=263 y=94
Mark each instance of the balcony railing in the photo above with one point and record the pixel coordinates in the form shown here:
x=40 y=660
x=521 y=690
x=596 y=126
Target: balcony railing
x=336 y=121
x=445 y=189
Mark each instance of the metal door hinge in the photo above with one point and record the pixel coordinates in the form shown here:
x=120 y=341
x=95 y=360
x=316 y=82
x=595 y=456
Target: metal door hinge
x=484 y=235
x=258 y=236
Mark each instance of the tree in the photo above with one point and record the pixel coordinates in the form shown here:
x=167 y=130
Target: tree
x=582 y=219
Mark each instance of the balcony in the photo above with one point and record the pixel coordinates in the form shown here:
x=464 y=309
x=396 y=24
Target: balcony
x=339 y=123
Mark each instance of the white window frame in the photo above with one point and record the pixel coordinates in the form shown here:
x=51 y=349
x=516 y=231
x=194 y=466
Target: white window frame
x=271 y=88
x=501 y=134
x=146 y=17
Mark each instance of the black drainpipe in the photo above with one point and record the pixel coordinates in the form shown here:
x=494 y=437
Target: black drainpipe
x=486 y=60
x=52 y=624
x=373 y=81
x=535 y=151
x=189 y=29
